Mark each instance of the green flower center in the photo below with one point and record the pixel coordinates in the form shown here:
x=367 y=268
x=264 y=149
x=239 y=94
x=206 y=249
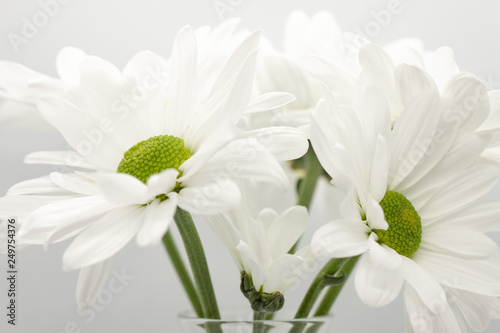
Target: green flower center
x=154 y=155
x=405 y=229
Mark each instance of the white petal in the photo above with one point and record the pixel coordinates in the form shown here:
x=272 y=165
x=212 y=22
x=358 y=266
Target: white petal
x=182 y=93
x=378 y=66
x=104 y=238
x=157 y=218
x=479 y=275
x=75 y=183
x=210 y=199
x=122 y=188
x=484 y=213
x=428 y=289
x=340 y=239
x=466 y=103
x=69 y=158
x=435 y=316
x=286 y=229
x=282 y=273
x=161 y=183
x=269 y=101
x=21 y=206
x=328 y=72
x=90 y=282
x=285 y=143
x=375 y=214
x=475 y=308
x=76 y=126
x=74 y=213
x=279 y=73
x=468 y=186
x=413 y=134
x=223 y=226
x=42 y=185
x=411 y=81
x=251 y=264
x=465 y=242
x=242 y=158
x=67 y=62
x=376 y=285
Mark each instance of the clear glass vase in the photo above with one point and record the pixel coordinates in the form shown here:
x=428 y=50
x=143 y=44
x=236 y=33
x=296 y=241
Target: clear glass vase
x=241 y=321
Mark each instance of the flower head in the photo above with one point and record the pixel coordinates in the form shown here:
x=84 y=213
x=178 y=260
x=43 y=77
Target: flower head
x=158 y=135
x=259 y=241
x=415 y=185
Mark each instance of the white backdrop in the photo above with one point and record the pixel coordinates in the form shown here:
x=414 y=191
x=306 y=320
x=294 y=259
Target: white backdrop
x=149 y=300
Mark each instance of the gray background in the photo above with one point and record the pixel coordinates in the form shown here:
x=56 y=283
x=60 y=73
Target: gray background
x=115 y=30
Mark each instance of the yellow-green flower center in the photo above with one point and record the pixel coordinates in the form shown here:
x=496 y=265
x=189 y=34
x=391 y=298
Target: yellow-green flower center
x=405 y=229
x=154 y=155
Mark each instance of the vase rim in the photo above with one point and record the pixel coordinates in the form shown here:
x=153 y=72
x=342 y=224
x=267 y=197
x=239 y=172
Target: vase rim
x=191 y=315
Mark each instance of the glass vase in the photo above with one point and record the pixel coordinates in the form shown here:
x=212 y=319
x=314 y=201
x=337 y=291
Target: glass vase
x=241 y=321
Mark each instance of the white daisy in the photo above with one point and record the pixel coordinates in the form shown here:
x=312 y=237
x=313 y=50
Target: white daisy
x=20 y=87
x=282 y=71
x=259 y=241
x=152 y=138
x=414 y=198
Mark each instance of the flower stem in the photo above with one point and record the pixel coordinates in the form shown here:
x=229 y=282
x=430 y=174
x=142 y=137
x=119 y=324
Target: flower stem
x=182 y=272
x=331 y=268
x=258 y=324
x=198 y=262
x=308 y=183
x=333 y=291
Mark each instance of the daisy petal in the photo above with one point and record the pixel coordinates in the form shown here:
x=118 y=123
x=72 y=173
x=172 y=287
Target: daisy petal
x=75 y=183
x=269 y=101
x=282 y=273
x=340 y=239
x=286 y=229
x=69 y=158
x=210 y=199
x=377 y=285
x=479 y=276
x=90 y=282
x=413 y=141
x=104 y=238
x=285 y=143
x=251 y=264
x=161 y=183
x=183 y=81
x=122 y=188
x=158 y=217
x=67 y=63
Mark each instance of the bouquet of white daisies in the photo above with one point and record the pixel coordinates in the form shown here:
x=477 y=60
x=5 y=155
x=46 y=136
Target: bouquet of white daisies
x=411 y=141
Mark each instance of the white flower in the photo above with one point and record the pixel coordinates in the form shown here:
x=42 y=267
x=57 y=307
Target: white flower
x=259 y=241
x=152 y=139
x=282 y=71
x=415 y=187
x=21 y=86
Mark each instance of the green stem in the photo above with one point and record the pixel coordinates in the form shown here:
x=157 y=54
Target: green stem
x=198 y=262
x=182 y=272
x=333 y=291
x=258 y=324
x=332 y=267
x=308 y=183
